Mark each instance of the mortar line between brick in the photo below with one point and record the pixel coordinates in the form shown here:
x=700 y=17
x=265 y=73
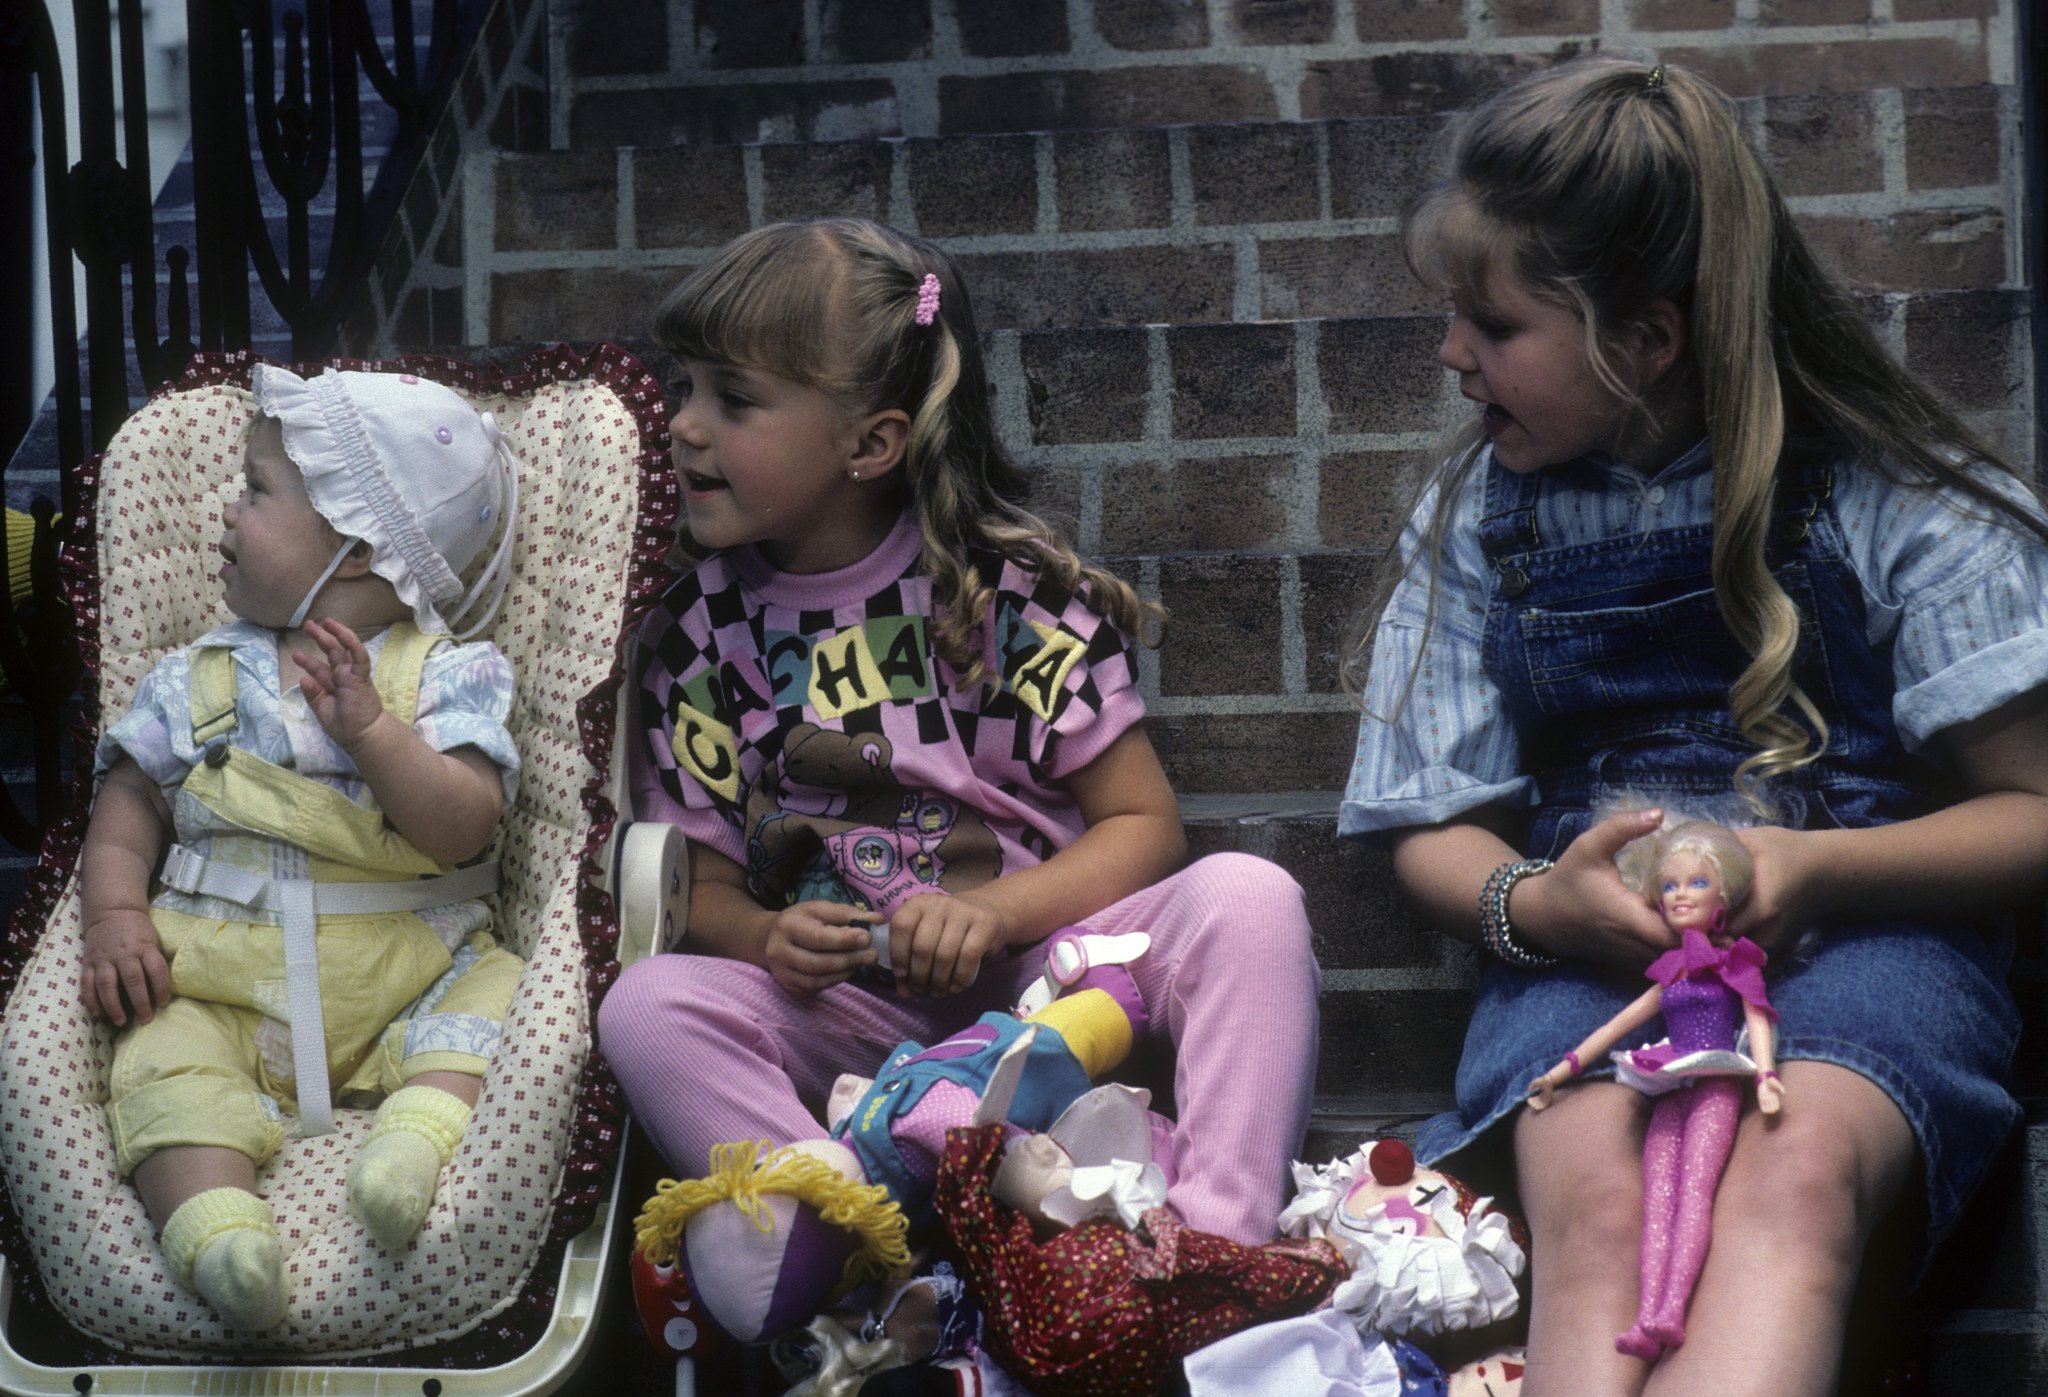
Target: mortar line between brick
x=902 y=206
x=757 y=186
x=1006 y=365
x=1344 y=21
x=682 y=38
x=1245 y=301
x=1888 y=130
x=1223 y=25
x=1158 y=390
x=1286 y=73
x=1893 y=332
x=1081 y=40
x=946 y=32
x=813 y=35
x=2001 y=45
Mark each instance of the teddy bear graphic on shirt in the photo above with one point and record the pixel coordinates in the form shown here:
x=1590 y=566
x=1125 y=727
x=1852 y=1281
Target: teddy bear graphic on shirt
x=829 y=822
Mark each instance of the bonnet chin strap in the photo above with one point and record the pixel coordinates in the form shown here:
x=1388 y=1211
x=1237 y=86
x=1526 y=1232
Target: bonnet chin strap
x=499 y=571
x=299 y=616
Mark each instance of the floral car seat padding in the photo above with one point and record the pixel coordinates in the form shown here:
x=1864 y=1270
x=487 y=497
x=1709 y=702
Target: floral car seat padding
x=596 y=512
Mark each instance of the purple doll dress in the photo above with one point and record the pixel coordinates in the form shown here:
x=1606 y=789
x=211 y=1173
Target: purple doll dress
x=1705 y=988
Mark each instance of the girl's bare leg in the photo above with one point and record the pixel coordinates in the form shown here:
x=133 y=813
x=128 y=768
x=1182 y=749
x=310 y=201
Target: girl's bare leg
x=1580 y=1168
x=1802 y=1195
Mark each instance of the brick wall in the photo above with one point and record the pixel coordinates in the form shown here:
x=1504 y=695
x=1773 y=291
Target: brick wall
x=1205 y=344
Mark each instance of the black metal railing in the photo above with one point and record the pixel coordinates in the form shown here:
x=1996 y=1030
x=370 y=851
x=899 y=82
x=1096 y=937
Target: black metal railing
x=286 y=195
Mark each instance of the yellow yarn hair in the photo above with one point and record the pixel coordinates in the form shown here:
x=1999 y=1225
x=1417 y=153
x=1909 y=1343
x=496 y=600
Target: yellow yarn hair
x=740 y=1176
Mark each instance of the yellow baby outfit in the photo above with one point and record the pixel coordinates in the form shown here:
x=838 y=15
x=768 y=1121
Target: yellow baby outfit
x=216 y=1064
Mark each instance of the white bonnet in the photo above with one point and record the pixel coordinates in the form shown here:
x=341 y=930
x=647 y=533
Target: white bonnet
x=410 y=468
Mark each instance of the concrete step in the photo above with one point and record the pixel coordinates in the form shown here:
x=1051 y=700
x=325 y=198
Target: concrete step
x=1171 y=225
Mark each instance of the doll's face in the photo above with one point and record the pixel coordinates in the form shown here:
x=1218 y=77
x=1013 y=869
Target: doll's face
x=1689 y=895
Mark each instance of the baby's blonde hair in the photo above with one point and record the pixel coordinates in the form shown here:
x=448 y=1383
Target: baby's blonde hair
x=1611 y=184
x=832 y=303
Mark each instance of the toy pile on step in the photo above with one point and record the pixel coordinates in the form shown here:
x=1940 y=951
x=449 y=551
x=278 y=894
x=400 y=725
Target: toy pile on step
x=1013 y=1237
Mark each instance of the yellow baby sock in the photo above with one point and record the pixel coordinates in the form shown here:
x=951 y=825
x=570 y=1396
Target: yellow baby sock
x=223 y=1244
x=392 y=1184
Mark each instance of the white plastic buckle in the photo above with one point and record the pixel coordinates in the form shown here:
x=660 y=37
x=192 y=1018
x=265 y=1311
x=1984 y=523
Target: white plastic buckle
x=1067 y=962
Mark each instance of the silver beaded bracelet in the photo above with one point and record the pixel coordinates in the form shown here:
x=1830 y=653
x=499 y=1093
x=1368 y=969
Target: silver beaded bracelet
x=1493 y=914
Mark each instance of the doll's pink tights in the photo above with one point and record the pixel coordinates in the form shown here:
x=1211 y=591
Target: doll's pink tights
x=1691 y=1132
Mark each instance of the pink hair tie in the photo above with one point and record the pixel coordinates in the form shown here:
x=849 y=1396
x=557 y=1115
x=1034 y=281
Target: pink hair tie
x=1571 y=1060
x=927 y=299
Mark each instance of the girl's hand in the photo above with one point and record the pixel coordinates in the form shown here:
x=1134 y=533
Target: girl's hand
x=336 y=683
x=1581 y=908
x=813 y=946
x=937 y=942
x=123 y=956
x=1783 y=897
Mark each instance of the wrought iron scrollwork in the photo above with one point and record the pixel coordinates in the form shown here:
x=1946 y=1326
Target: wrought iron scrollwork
x=273 y=136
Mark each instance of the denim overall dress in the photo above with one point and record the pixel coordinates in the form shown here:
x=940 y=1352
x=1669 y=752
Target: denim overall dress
x=1615 y=665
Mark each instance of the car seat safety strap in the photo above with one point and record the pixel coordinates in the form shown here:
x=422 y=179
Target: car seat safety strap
x=302 y=993
x=212 y=682
x=300 y=902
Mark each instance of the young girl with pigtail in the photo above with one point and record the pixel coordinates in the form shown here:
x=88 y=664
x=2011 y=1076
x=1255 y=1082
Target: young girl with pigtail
x=898 y=720
x=1705 y=542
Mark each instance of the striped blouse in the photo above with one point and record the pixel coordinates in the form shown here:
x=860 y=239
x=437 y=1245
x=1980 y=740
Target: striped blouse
x=1963 y=600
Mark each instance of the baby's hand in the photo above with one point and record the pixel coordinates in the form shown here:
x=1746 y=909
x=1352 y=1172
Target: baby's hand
x=336 y=683
x=123 y=956
x=813 y=946
x=937 y=942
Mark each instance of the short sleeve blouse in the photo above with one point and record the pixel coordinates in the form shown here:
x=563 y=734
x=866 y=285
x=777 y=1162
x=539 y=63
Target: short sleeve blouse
x=1961 y=597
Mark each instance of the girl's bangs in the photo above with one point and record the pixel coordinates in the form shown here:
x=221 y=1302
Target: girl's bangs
x=762 y=303
x=1451 y=244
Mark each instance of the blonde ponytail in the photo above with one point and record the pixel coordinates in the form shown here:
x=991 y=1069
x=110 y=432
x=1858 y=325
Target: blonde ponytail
x=1745 y=412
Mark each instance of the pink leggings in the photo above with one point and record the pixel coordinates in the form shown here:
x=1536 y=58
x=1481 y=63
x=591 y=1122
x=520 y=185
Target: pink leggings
x=1691 y=1133
x=711 y=1051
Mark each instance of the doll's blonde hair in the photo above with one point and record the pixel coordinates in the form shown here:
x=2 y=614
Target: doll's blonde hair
x=1611 y=184
x=832 y=303
x=1641 y=861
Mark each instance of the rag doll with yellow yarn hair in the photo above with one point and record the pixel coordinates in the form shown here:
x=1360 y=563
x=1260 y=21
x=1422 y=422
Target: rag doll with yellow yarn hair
x=768 y=1237
x=276 y=908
